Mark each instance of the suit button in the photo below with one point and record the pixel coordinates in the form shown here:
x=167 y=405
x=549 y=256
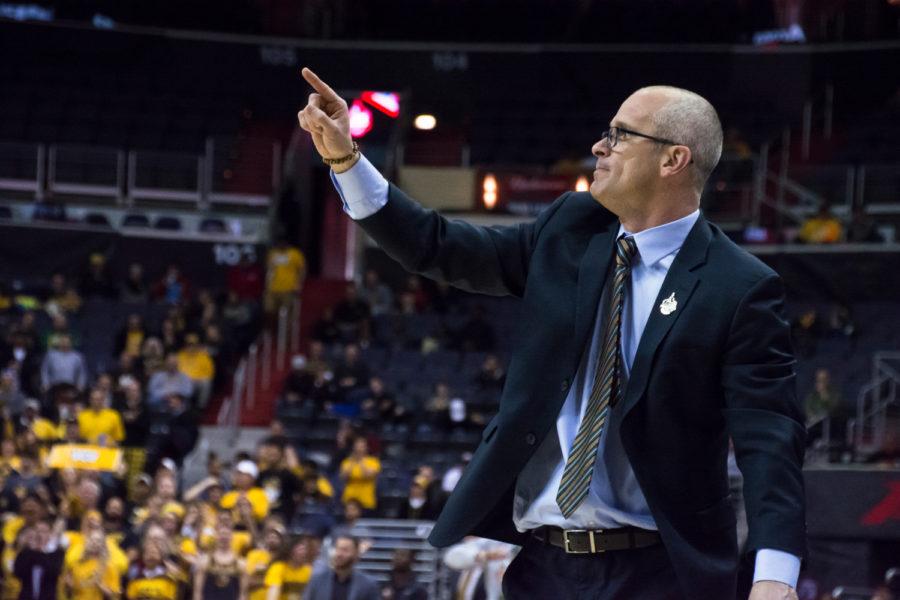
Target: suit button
x=530 y=438
x=564 y=385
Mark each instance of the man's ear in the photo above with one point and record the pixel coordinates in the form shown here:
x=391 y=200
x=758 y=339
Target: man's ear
x=675 y=160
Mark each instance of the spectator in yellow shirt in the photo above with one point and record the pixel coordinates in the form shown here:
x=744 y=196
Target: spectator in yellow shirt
x=195 y=362
x=260 y=559
x=98 y=424
x=91 y=575
x=285 y=273
x=245 y=487
x=824 y=228
x=287 y=579
x=360 y=473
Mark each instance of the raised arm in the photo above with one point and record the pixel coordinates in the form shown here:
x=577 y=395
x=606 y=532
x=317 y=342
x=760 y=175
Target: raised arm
x=488 y=260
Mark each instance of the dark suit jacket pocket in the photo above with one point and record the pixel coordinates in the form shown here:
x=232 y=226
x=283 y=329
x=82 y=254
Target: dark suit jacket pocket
x=717 y=517
x=489 y=429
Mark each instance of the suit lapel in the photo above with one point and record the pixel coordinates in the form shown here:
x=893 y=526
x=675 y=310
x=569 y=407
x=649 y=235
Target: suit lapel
x=681 y=280
x=592 y=272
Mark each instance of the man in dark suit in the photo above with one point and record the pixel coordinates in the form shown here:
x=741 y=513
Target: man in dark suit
x=648 y=340
x=342 y=581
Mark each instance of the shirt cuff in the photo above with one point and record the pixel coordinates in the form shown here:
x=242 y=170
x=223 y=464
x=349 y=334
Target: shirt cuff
x=362 y=189
x=775 y=565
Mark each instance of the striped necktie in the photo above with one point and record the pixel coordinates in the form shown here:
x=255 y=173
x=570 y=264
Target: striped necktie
x=576 y=478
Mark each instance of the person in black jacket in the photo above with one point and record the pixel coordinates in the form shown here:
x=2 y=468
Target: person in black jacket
x=39 y=562
x=648 y=340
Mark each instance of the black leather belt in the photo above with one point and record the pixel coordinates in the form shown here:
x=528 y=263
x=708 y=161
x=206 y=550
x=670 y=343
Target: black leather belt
x=595 y=541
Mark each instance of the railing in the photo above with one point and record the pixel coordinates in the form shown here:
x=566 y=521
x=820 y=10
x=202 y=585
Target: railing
x=229 y=416
x=137 y=175
x=388 y=535
x=257 y=365
x=869 y=428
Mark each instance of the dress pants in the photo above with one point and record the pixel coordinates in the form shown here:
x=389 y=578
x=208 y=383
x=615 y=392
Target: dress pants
x=544 y=572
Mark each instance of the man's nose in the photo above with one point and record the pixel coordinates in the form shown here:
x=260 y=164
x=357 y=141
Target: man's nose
x=600 y=148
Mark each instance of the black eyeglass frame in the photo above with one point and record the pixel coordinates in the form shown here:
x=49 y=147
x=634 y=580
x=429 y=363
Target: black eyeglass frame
x=619 y=130
x=610 y=143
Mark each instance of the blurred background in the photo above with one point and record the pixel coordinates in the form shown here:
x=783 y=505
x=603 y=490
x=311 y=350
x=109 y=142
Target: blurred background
x=181 y=292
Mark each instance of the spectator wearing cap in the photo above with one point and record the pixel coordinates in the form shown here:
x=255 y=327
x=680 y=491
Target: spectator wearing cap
x=195 y=362
x=244 y=482
x=98 y=424
x=359 y=471
x=63 y=367
x=168 y=382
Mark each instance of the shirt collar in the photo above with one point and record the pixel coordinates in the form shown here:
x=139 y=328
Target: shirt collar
x=656 y=243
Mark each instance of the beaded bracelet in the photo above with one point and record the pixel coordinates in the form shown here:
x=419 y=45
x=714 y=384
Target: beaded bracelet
x=343 y=159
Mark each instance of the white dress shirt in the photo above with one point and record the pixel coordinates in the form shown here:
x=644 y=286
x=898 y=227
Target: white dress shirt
x=615 y=498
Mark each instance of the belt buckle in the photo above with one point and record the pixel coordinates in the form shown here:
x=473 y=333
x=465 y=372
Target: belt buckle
x=590 y=532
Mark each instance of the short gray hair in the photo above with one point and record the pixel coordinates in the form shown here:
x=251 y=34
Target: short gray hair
x=688 y=118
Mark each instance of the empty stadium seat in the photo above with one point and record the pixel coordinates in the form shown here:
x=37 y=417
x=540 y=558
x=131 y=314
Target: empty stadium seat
x=212 y=225
x=98 y=219
x=168 y=223
x=135 y=220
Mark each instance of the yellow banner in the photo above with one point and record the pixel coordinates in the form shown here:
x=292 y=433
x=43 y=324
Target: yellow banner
x=83 y=456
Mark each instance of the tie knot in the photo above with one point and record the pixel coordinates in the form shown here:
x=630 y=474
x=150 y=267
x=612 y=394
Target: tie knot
x=625 y=250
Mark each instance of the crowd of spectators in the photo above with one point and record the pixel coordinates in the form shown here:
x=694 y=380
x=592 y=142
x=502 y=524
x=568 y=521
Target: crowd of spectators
x=253 y=527
x=124 y=528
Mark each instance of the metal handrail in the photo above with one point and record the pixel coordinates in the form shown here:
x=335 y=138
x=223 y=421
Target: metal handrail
x=282 y=333
x=870 y=413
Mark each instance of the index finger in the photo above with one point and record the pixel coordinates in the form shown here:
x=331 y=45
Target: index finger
x=319 y=85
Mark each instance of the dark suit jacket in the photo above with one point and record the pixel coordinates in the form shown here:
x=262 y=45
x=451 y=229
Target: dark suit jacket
x=720 y=365
x=50 y=564
x=362 y=587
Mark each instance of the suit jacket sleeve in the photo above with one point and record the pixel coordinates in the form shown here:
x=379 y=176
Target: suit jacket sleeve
x=765 y=419
x=487 y=260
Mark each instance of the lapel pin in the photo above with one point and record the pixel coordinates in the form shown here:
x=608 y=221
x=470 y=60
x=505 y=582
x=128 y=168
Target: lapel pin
x=668 y=306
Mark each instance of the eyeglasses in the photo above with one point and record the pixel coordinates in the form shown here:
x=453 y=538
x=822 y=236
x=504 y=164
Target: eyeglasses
x=613 y=134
